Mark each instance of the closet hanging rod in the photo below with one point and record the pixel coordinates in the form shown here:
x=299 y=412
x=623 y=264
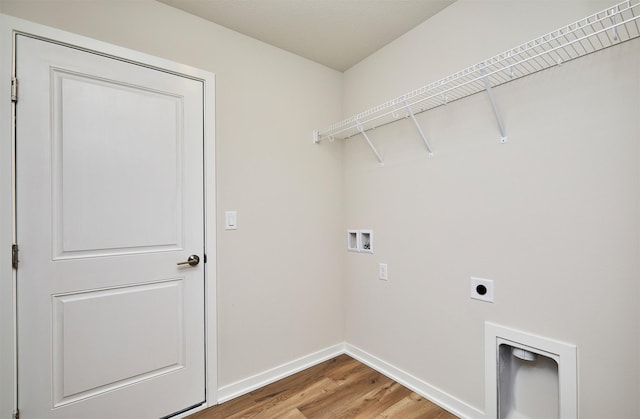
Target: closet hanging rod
x=612 y=26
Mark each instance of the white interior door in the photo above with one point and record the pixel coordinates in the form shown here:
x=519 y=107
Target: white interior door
x=109 y=200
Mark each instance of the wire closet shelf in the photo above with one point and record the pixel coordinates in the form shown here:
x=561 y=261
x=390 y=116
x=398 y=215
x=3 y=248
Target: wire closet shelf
x=612 y=26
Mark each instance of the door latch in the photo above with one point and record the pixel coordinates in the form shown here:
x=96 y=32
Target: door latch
x=14 y=256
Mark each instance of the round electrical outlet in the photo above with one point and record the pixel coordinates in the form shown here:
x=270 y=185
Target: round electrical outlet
x=482 y=289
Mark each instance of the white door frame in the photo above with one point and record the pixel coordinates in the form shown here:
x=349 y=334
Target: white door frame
x=8 y=27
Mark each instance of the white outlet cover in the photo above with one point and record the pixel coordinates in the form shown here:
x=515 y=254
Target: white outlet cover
x=482 y=289
x=383 y=271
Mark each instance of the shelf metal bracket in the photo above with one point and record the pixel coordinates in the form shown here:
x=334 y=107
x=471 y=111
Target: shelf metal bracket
x=415 y=121
x=487 y=85
x=366 y=137
x=614 y=28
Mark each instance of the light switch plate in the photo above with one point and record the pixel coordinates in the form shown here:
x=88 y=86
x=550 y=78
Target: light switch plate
x=231 y=220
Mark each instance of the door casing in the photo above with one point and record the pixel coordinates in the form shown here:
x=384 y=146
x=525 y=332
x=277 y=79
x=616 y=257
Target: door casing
x=9 y=26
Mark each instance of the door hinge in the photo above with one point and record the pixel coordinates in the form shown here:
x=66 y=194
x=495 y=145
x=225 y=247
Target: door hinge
x=14 y=89
x=14 y=256
x=16 y=414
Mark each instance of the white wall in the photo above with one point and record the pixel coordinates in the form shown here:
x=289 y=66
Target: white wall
x=552 y=216
x=280 y=274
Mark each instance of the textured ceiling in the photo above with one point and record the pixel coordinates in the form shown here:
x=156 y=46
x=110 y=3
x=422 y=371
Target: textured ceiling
x=336 y=33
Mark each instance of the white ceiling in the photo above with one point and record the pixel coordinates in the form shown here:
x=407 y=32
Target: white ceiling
x=336 y=33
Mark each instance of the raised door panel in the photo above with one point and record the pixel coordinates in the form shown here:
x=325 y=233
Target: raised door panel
x=117 y=167
x=149 y=340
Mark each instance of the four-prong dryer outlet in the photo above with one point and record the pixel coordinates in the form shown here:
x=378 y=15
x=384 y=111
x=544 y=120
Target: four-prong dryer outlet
x=482 y=289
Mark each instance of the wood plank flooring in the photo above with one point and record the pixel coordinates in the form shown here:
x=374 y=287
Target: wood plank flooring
x=339 y=388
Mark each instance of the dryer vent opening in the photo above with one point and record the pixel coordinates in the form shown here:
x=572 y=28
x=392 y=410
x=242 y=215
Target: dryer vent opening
x=528 y=384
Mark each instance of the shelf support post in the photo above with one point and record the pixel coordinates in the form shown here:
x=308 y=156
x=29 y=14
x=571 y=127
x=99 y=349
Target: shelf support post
x=415 y=121
x=366 y=137
x=487 y=85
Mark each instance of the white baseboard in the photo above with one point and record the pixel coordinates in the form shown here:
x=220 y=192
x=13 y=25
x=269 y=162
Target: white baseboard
x=247 y=385
x=426 y=390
